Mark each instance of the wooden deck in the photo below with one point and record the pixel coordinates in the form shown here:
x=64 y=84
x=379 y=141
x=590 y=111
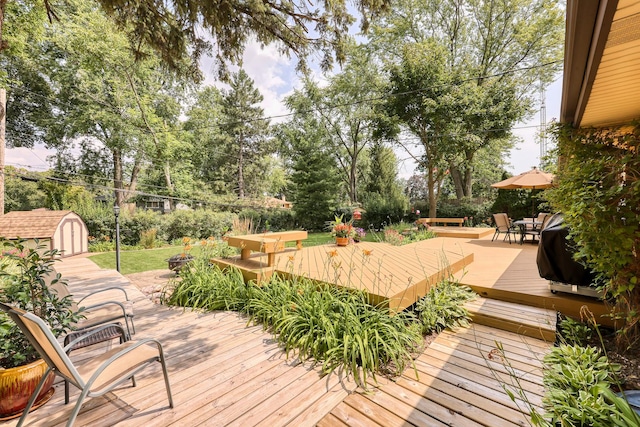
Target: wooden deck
x=225 y=372
x=397 y=275
x=508 y=272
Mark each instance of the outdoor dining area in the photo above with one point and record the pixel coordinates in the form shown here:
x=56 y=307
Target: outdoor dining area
x=529 y=228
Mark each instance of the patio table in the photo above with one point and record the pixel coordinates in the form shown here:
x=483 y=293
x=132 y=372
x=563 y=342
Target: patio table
x=523 y=223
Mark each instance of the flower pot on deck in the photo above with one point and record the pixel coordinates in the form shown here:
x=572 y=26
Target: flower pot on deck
x=342 y=241
x=18 y=384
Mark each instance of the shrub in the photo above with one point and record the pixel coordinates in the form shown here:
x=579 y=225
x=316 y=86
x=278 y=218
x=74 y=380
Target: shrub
x=148 y=238
x=443 y=307
x=204 y=286
x=199 y=224
x=336 y=326
x=577 y=380
x=132 y=226
x=477 y=211
x=380 y=212
x=271 y=219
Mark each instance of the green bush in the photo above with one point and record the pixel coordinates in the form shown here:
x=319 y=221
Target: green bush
x=132 y=226
x=204 y=286
x=477 y=211
x=199 y=224
x=443 y=307
x=271 y=219
x=335 y=326
x=380 y=212
x=578 y=382
x=597 y=190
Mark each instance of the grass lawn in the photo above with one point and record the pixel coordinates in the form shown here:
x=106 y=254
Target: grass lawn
x=139 y=261
x=156 y=259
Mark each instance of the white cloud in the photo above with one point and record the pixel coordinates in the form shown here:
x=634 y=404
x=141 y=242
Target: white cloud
x=28 y=158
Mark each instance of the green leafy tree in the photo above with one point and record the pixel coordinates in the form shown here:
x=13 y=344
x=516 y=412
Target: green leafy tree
x=383 y=195
x=349 y=122
x=422 y=112
x=499 y=54
x=245 y=133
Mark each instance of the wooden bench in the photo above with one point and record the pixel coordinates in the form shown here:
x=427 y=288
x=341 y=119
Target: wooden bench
x=444 y=221
x=268 y=243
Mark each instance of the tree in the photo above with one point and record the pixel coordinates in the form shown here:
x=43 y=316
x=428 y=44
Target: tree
x=383 y=199
x=314 y=174
x=425 y=112
x=102 y=93
x=501 y=54
x=174 y=28
x=348 y=121
x=245 y=128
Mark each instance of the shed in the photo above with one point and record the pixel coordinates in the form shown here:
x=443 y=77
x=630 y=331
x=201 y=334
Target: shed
x=61 y=230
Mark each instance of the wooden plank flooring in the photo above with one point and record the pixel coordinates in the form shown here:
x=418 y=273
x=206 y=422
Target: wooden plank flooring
x=460 y=380
x=225 y=372
x=222 y=371
x=394 y=275
x=509 y=272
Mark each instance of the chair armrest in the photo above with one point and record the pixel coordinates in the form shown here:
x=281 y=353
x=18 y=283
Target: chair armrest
x=104 y=303
x=95 y=331
x=111 y=288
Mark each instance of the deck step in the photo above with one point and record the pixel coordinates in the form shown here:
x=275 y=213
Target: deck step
x=533 y=322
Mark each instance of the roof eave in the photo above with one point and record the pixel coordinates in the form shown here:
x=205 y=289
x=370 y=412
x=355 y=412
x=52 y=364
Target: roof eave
x=587 y=28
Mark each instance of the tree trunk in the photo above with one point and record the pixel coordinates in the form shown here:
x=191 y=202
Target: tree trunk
x=240 y=170
x=458 y=181
x=3 y=121
x=433 y=201
x=353 y=181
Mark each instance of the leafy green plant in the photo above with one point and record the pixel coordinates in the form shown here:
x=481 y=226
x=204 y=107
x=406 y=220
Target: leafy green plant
x=575 y=378
x=574 y=332
x=204 y=286
x=26 y=274
x=148 y=238
x=598 y=191
x=443 y=307
x=336 y=326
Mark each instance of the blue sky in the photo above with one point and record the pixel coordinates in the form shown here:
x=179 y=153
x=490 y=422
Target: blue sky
x=275 y=77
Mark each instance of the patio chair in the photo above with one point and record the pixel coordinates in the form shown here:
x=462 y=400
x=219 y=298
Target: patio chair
x=95 y=376
x=99 y=313
x=535 y=231
x=503 y=225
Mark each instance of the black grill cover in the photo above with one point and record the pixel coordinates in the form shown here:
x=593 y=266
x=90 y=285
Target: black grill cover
x=555 y=256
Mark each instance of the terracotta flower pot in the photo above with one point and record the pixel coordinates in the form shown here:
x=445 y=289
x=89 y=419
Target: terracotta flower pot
x=342 y=241
x=18 y=384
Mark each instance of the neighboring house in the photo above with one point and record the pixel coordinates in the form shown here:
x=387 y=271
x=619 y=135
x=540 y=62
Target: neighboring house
x=601 y=84
x=274 y=202
x=62 y=230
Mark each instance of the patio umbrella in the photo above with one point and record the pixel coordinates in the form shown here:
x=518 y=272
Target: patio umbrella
x=534 y=179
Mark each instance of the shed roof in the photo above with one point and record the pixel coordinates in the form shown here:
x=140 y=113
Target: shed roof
x=35 y=224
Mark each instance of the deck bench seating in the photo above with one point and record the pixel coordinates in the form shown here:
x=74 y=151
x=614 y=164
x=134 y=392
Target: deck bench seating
x=443 y=221
x=268 y=243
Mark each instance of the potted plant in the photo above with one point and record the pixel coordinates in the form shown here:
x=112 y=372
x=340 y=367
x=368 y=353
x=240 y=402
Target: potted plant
x=25 y=276
x=342 y=231
x=176 y=262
